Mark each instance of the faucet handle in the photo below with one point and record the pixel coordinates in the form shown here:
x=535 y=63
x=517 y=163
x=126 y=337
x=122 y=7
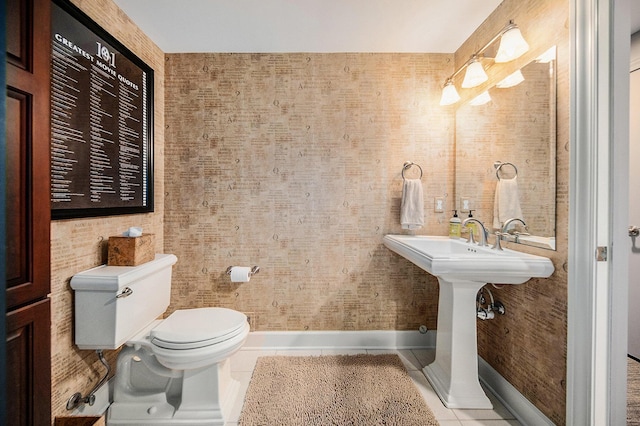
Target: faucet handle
x=471 y=239
x=518 y=234
x=498 y=245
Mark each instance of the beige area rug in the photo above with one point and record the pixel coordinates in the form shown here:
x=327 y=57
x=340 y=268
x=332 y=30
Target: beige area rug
x=633 y=392
x=363 y=390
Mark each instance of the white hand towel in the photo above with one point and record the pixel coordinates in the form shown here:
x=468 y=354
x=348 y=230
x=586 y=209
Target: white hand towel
x=412 y=206
x=507 y=202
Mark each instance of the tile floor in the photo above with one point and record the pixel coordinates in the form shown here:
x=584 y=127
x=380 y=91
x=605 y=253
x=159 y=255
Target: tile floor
x=244 y=361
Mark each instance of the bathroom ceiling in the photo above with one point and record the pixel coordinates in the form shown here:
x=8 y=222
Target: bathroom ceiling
x=435 y=26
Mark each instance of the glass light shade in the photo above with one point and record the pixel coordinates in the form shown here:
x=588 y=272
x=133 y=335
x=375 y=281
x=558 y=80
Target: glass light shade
x=547 y=56
x=512 y=46
x=449 y=94
x=475 y=75
x=481 y=99
x=511 y=80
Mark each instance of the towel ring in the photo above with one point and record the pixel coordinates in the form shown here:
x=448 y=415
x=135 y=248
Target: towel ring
x=498 y=165
x=407 y=165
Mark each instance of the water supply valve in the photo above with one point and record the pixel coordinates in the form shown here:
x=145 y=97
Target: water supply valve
x=485 y=314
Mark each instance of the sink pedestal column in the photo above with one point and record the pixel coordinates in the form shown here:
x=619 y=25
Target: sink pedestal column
x=454 y=373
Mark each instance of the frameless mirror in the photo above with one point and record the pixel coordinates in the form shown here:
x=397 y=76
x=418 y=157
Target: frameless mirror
x=511 y=137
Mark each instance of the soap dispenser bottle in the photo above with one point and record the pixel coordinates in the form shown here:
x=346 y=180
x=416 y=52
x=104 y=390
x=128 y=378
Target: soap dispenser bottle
x=455 y=225
x=471 y=226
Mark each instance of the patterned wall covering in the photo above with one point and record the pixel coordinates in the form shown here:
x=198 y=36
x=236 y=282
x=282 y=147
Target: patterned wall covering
x=292 y=162
x=528 y=345
x=80 y=244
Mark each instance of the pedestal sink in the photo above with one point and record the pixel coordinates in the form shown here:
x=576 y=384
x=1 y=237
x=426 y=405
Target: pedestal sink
x=462 y=269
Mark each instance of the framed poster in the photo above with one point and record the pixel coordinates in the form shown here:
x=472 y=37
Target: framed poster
x=101 y=121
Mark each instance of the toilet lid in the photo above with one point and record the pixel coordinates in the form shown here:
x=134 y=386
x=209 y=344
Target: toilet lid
x=194 y=328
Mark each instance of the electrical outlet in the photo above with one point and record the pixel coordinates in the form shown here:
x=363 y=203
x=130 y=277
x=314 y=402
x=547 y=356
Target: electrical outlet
x=438 y=205
x=465 y=204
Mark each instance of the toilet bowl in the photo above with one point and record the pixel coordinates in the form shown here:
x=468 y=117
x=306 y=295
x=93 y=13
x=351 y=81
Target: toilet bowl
x=187 y=353
x=172 y=371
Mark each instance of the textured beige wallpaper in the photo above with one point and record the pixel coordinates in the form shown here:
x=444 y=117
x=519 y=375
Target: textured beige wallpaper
x=80 y=244
x=292 y=162
x=528 y=345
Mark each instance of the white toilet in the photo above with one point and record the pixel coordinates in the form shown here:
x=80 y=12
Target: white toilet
x=171 y=372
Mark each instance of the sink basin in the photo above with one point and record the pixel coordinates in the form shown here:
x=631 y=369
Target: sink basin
x=457 y=259
x=462 y=269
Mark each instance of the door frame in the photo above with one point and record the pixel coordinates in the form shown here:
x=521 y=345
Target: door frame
x=597 y=290
x=3 y=256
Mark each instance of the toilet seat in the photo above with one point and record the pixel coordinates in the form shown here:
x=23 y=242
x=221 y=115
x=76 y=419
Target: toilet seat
x=198 y=328
x=194 y=338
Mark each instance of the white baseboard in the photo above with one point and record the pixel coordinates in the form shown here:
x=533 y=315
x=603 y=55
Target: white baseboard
x=510 y=397
x=513 y=400
x=371 y=339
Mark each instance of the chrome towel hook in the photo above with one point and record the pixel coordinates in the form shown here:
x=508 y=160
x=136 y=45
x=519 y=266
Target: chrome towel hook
x=407 y=165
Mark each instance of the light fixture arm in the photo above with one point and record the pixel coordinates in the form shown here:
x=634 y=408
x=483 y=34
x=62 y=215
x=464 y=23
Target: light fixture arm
x=511 y=25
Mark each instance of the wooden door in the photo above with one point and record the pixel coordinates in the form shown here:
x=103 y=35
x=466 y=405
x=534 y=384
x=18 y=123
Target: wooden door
x=28 y=213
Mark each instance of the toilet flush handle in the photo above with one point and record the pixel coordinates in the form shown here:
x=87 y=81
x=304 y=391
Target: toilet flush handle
x=125 y=292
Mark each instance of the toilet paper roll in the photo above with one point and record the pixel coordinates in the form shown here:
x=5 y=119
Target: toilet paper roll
x=240 y=274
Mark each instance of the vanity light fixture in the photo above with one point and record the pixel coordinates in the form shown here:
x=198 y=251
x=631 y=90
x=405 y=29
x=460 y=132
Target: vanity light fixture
x=481 y=99
x=511 y=80
x=512 y=46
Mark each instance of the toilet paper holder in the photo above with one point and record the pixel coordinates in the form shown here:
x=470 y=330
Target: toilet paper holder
x=254 y=270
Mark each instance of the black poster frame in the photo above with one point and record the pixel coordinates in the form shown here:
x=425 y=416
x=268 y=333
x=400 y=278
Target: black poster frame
x=141 y=205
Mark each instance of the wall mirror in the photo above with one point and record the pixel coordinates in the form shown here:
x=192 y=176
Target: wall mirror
x=517 y=125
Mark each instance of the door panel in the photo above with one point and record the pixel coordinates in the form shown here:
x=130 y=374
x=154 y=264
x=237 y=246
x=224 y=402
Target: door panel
x=28 y=365
x=17 y=107
x=634 y=215
x=19 y=33
x=28 y=211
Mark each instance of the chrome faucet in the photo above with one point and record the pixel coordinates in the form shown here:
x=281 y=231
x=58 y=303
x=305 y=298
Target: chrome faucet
x=508 y=222
x=483 y=231
x=505 y=228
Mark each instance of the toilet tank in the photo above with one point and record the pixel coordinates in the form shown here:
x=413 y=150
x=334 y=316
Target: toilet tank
x=114 y=303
